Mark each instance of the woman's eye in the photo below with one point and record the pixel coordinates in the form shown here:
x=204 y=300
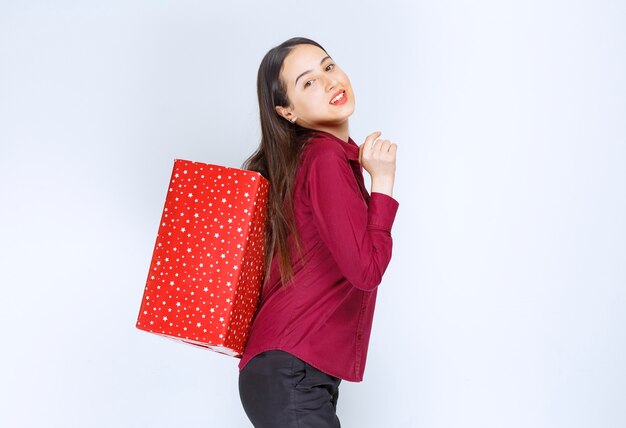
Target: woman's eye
x=306 y=84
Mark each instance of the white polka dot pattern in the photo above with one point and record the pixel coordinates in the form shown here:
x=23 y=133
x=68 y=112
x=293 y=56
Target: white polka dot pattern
x=207 y=266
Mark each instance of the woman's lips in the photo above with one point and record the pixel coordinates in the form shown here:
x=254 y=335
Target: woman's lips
x=342 y=100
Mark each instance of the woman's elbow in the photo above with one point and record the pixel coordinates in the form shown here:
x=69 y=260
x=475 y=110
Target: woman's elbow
x=368 y=279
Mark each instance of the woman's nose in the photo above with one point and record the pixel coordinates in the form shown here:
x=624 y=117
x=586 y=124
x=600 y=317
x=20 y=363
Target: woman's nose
x=332 y=84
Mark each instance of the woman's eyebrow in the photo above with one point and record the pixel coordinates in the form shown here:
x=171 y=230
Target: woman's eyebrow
x=308 y=71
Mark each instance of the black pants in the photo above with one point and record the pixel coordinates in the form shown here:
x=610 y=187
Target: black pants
x=279 y=390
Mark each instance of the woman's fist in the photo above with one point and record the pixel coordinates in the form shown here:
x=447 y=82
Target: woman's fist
x=378 y=156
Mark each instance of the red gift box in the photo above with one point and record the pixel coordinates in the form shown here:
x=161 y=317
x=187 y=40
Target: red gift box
x=208 y=261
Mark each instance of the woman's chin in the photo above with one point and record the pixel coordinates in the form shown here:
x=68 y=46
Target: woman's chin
x=345 y=111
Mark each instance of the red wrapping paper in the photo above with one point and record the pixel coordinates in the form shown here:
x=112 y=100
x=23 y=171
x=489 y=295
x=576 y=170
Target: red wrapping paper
x=207 y=266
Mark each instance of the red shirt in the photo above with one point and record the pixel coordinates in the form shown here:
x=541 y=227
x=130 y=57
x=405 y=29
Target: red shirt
x=325 y=317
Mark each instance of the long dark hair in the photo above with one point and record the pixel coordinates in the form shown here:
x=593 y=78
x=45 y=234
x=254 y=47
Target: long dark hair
x=277 y=157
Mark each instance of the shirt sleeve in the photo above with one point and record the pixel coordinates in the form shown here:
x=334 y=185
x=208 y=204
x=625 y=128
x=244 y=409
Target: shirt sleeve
x=358 y=236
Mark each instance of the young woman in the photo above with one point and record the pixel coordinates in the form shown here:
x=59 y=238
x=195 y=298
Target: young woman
x=328 y=241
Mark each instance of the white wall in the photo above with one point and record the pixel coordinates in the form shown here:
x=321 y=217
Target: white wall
x=503 y=305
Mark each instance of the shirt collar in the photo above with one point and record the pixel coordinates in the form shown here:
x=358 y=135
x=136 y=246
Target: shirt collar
x=350 y=147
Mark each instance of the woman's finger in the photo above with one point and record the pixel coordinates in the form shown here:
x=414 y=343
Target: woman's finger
x=369 y=140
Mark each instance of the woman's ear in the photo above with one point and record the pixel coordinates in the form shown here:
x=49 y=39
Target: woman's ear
x=281 y=111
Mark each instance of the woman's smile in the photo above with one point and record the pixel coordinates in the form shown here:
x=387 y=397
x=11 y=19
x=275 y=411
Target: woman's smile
x=340 y=98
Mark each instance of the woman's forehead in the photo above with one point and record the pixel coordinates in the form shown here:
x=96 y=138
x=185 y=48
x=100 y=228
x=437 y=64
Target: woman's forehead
x=300 y=59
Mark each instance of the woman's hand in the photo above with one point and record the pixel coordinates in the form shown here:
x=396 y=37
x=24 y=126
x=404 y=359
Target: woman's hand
x=378 y=158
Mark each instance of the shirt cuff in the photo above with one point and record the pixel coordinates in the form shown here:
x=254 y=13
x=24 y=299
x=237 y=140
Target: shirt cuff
x=382 y=211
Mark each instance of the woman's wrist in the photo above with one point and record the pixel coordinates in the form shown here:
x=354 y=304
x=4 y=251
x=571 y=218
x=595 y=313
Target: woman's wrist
x=383 y=184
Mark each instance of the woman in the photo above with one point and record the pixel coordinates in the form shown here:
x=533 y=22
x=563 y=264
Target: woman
x=328 y=241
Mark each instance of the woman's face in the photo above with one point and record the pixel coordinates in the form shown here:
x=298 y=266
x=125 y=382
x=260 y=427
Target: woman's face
x=313 y=80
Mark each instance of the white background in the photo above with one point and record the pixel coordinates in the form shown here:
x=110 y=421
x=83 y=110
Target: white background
x=504 y=303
